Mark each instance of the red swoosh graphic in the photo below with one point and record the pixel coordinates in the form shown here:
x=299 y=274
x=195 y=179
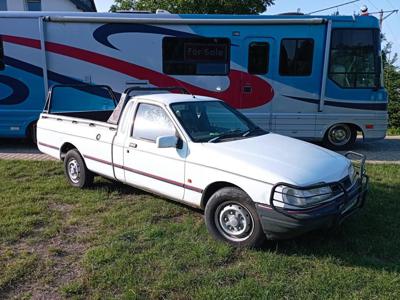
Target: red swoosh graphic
x=261 y=91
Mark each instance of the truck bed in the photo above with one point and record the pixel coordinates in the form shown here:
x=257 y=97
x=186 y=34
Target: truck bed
x=100 y=116
x=58 y=132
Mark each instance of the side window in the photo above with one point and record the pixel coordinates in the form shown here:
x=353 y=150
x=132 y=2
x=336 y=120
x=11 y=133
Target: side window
x=354 y=58
x=33 y=5
x=296 y=57
x=258 y=58
x=196 y=56
x=151 y=121
x=1 y=54
x=3 y=5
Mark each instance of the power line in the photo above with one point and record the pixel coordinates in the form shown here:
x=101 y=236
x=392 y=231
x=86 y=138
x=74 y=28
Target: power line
x=390 y=3
x=369 y=1
x=335 y=6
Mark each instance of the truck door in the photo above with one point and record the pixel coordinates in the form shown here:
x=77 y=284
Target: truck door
x=256 y=87
x=160 y=170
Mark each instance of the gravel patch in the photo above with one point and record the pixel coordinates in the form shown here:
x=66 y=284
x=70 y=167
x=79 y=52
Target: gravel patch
x=382 y=151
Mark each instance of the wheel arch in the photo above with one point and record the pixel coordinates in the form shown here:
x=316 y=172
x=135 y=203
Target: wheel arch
x=65 y=148
x=213 y=187
x=356 y=126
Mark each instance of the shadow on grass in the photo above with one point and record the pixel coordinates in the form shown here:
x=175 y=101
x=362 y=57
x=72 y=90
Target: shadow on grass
x=123 y=189
x=370 y=238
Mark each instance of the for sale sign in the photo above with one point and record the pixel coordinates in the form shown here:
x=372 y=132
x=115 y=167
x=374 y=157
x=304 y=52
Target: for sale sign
x=197 y=52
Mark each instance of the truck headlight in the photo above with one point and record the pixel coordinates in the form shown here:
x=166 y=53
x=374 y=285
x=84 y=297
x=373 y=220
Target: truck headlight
x=306 y=197
x=352 y=173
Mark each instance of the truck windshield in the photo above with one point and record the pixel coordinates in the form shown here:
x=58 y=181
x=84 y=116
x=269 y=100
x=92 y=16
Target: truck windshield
x=355 y=60
x=214 y=121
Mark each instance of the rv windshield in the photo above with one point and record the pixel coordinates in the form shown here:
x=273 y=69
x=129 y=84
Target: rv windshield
x=355 y=60
x=214 y=121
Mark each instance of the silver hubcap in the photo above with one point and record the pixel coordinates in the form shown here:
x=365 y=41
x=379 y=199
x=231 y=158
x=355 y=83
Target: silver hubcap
x=339 y=135
x=74 y=170
x=234 y=222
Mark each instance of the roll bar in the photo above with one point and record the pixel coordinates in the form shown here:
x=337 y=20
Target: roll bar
x=116 y=115
x=82 y=87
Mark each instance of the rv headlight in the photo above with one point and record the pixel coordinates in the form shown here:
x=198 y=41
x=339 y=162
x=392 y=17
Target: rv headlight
x=306 y=197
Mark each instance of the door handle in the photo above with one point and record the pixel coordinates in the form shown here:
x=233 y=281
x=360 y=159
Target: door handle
x=247 y=89
x=132 y=145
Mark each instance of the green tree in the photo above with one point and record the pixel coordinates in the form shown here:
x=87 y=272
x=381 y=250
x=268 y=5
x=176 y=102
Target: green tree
x=392 y=84
x=196 y=6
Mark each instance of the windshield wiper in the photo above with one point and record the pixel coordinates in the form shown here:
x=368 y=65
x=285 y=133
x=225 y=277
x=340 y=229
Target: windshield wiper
x=254 y=130
x=229 y=134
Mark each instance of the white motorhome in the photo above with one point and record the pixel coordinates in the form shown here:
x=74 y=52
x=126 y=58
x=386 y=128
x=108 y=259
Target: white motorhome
x=311 y=77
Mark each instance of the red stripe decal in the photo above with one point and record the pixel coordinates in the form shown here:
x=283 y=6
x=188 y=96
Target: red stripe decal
x=192 y=188
x=145 y=174
x=154 y=176
x=48 y=146
x=98 y=160
x=22 y=41
x=260 y=94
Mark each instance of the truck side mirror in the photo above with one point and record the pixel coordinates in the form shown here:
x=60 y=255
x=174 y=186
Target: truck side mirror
x=167 y=141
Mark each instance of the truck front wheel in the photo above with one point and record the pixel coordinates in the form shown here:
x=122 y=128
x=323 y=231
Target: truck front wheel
x=230 y=216
x=76 y=171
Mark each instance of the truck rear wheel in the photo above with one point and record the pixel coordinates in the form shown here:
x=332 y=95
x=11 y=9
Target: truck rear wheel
x=340 y=137
x=230 y=216
x=76 y=171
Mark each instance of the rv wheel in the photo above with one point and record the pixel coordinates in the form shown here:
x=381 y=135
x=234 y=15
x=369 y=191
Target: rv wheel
x=340 y=137
x=32 y=132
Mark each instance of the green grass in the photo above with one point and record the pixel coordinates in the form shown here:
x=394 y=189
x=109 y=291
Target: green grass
x=393 y=131
x=112 y=241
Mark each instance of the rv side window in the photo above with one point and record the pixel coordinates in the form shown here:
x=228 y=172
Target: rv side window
x=196 y=56
x=3 y=5
x=258 y=58
x=296 y=57
x=1 y=54
x=33 y=5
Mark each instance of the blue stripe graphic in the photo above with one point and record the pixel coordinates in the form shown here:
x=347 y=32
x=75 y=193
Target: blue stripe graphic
x=354 y=105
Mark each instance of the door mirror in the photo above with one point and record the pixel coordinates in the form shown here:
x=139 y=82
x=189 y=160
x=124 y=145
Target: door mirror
x=167 y=141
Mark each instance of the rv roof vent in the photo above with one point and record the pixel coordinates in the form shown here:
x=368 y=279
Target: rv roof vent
x=162 y=11
x=131 y=11
x=296 y=13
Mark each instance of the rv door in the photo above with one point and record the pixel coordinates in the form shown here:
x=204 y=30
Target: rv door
x=256 y=89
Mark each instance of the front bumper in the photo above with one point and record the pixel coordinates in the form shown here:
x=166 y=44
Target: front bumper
x=282 y=223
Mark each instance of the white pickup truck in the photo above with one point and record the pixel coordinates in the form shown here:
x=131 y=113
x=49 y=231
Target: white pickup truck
x=252 y=184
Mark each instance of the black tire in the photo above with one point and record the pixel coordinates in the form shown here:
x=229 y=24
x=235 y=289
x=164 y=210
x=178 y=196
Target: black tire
x=76 y=171
x=32 y=132
x=340 y=137
x=244 y=229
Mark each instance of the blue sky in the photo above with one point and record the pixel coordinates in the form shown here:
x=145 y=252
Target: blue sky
x=390 y=25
